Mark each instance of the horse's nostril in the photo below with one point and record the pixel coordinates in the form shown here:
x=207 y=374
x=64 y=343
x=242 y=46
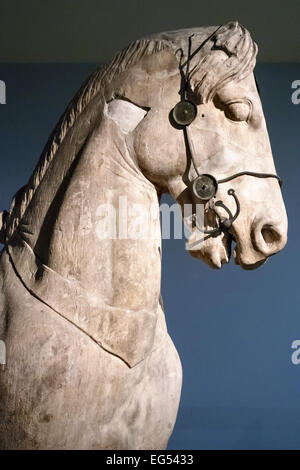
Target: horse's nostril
x=270 y=235
x=269 y=238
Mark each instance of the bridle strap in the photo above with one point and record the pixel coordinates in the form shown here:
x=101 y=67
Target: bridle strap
x=251 y=173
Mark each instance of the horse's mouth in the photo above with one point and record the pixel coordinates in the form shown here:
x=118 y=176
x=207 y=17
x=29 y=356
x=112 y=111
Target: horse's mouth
x=238 y=259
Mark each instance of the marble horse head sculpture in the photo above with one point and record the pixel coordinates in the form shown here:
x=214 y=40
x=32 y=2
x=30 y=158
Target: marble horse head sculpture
x=89 y=363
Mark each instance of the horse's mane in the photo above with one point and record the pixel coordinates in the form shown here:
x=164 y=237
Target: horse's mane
x=231 y=38
x=93 y=85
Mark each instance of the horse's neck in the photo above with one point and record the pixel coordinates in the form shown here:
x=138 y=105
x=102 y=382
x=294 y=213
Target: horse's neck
x=69 y=229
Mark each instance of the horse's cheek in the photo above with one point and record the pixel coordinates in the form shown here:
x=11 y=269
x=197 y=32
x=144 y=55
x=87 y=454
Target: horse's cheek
x=159 y=148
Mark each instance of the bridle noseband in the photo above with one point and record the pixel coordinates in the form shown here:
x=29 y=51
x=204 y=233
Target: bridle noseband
x=205 y=186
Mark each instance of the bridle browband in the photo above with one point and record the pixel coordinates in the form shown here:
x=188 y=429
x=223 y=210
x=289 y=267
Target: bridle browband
x=204 y=187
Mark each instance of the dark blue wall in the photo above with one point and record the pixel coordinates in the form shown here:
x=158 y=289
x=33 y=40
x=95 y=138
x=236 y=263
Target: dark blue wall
x=233 y=329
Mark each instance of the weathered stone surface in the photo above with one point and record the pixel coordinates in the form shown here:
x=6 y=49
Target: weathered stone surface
x=89 y=360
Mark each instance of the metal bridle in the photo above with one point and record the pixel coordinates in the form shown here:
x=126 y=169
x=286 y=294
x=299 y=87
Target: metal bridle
x=204 y=187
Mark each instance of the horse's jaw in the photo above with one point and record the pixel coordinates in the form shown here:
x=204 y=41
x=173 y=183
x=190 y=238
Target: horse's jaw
x=214 y=251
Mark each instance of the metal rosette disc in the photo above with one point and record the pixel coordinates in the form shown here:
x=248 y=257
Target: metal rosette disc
x=204 y=187
x=184 y=112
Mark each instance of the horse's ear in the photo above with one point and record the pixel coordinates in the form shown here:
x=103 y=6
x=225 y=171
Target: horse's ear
x=125 y=113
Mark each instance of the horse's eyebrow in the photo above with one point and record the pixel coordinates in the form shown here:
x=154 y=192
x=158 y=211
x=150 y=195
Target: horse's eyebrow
x=226 y=94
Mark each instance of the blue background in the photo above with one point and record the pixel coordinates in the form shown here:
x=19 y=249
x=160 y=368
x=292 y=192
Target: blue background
x=233 y=329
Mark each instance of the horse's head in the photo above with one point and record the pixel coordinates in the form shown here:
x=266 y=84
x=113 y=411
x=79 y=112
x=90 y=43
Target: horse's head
x=186 y=104
x=221 y=132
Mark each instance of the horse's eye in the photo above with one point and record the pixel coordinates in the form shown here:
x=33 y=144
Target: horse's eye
x=238 y=110
x=184 y=113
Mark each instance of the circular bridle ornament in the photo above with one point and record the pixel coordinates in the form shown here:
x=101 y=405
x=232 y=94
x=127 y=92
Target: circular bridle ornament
x=184 y=113
x=204 y=187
